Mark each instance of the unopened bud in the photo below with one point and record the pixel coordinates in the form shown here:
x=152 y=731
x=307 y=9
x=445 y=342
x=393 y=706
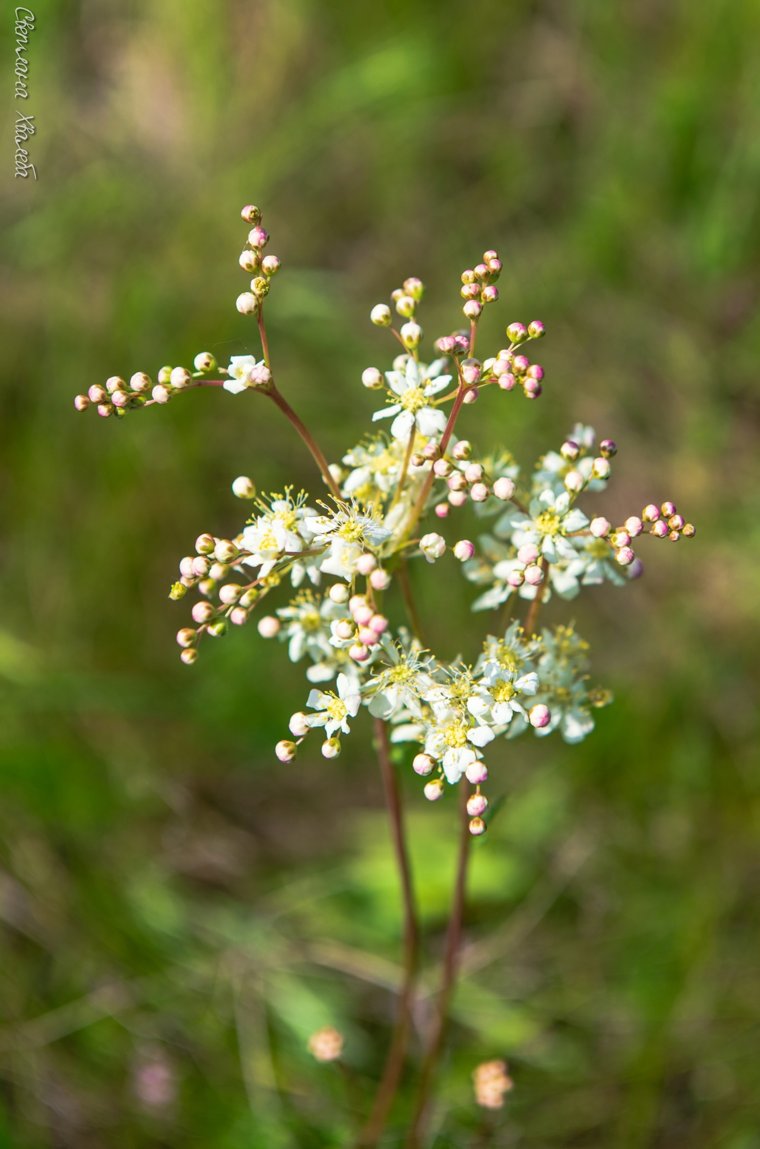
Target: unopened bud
x=243 y=487
x=433 y=790
x=372 y=379
x=381 y=315
x=268 y=626
x=423 y=764
x=539 y=716
x=285 y=750
x=246 y=303
x=464 y=550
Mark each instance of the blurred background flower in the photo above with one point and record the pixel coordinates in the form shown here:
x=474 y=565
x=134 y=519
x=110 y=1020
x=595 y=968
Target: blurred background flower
x=164 y=883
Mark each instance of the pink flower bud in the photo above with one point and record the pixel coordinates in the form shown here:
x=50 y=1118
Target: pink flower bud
x=378 y=623
x=200 y=566
x=338 y=593
x=528 y=553
x=490 y=294
x=479 y=492
x=367 y=636
x=472 y=309
x=441 y=468
x=160 y=394
x=574 y=481
x=668 y=509
x=515 y=578
x=202 y=612
x=535 y=371
x=442 y=510
x=539 y=716
x=471 y=370
x=625 y=556
x=620 y=538
x=358 y=653
x=520 y=364
x=356 y=601
x=269 y=626
x=186 y=636
x=600 y=527
x=651 y=513
x=600 y=468
x=258 y=237
x=476 y=804
x=473 y=472
x=477 y=827
x=331 y=748
x=462 y=449
x=535 y=329
x=660 y=529
x=476 y=772
x=570 y=450
x=471 y=395
x=423 y=764
x=238 y=616
x=464 y=550
x=344 y=629
x=504 y=488
x=81 y=402
x=532 y=388
x=457 y=498
x=433 y=790
x=507 y=382
x=363 y=614
x=381 y=315
x=457 y=481
x=517 y=332
x=380 y=579
x=365 y=564
x=534 y=575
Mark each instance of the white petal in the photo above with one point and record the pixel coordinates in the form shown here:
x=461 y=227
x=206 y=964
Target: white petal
x=386 y=412
x=430 y=421
x=402 y=425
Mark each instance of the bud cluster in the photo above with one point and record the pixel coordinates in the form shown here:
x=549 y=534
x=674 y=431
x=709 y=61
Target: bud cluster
x=253 y=261
x=478 y=285
x=491 y=1082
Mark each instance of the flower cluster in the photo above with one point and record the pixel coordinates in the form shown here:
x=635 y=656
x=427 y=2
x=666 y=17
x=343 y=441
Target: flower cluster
x=330 y=559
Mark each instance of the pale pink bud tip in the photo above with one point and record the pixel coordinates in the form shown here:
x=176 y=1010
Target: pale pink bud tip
x=476 y=804
x=504 y=488
x=528 y=553
x=477 y=827
x=625 y=556
x=380 y=579
x=358 y=653
x=365 y=564
x=331 y=748
x=423 y=764
x=477 y=773
x=479 y=492
x=433 y=790
x=285 y=750
x=600 y=527
x=539 y=716
x=464 y=550
x=269 y=626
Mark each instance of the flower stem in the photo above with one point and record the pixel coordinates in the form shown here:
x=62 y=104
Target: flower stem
x=448 y=981
x=419 y=506
x=394 y=1062
x=307 y=438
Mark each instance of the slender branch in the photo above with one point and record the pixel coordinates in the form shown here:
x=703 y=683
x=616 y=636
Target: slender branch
x=406 y=593
x=448 y=981
x=263 y=333
x=307 y=438
x=394 y=1063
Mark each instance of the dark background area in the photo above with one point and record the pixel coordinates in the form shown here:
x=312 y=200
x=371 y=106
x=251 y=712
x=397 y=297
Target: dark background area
x=179 y=911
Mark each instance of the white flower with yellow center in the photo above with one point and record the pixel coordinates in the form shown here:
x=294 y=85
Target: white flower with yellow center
x=414 y=387
x=283 y=529
x=496 y=705
x=245 y=372
x=347 y=533
x=334 y=710
x=550 y=520
x=454 y=741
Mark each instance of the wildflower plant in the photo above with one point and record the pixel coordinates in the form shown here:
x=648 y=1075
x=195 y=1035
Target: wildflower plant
x=317 y=571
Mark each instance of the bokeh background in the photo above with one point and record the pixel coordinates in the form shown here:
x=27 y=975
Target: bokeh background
x=178 y=911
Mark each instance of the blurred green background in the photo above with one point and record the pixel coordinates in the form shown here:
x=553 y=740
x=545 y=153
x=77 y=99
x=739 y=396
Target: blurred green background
x=178 y=911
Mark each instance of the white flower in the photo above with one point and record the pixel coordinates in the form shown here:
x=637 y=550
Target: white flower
x=334 y=710
x=451 y=739
x=347 y=532
x=403 y=684
x=414 y=387
x=283 y=528
x=551 y=518
x=245 y=372
x=497 y=704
